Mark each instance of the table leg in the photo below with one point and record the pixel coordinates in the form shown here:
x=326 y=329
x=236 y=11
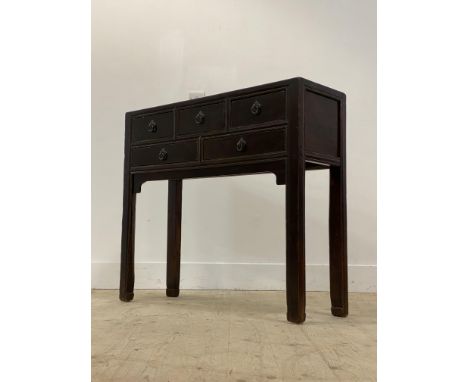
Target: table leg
x=174 y=217
x=127 y=267
x=295 y=242
x=338 y=243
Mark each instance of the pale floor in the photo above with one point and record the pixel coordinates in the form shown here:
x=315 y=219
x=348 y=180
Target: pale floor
x=234 y=336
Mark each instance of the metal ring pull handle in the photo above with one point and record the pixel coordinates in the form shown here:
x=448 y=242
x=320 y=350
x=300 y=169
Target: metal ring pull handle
x=162 y=154
x=200 y=118
x=152 y=127
x=241 y=145
x=256 y=108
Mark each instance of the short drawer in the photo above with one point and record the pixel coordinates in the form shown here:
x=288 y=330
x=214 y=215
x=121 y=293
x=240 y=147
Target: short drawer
x=202 y=119
x=161 y=154
x=153 y=127
x=245 y=145
x=259 y=109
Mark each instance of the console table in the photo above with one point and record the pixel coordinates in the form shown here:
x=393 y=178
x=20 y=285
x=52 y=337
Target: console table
x=284 y=128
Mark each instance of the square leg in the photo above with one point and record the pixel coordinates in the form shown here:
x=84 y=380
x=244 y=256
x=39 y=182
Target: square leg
x=295 y=243
x=127 y=262
x=338 y=243
x=174 y=217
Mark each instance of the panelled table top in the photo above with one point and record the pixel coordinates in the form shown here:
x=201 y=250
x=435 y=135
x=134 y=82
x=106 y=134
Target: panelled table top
x=284 y=127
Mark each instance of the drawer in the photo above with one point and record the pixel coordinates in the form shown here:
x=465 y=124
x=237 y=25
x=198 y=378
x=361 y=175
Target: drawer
x=161 y=154
x=153 y=127
x=201 y=119
x=245 y=145
x=259 y=109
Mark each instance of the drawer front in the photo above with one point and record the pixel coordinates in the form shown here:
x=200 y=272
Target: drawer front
x=153 y=127
x=201 y=119
x=162 y=154
x=260 y=109
x=245 y=145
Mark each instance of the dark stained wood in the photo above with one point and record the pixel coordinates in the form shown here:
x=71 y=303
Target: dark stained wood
x=338 y=228
x=295 y=207
x=127 y=271
x=258 y=109
x=284 y=128
x=153 y=127
x=244 y=145
x=207 y=118
x=250 y=91
x=276 y=167
x=321 y=125
x=174 y=218
x=165 y=153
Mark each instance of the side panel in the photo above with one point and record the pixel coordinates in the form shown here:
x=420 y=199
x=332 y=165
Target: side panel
x=321 y=120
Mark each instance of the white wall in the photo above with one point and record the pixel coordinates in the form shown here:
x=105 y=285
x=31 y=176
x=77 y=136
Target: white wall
x=147 y=53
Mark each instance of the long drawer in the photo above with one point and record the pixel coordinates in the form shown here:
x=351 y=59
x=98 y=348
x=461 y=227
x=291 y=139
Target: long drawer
x=165 y=153
x=246 y=145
